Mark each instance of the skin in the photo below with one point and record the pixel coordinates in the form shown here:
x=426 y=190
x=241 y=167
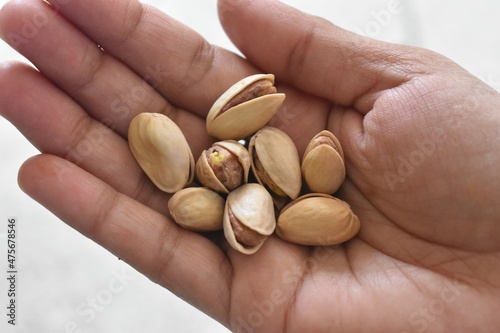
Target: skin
x=420 y=137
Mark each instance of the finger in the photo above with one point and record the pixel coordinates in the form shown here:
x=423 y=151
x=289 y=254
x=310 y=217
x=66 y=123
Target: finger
x=185 y=51
x=186 y=263
x=190 y=73
x=314 y=54
x=55 y=124
x=301 y=116
x=102 y=85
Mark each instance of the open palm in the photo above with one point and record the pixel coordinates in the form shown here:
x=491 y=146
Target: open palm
x=420 y=136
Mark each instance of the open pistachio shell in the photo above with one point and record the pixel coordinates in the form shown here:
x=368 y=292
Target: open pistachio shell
x=231 y=170
x=197 y=209
x=323 y=166
x=317 y=219
x=252 y=102
x=275 y=162
x=161 y=150
x=248 y=218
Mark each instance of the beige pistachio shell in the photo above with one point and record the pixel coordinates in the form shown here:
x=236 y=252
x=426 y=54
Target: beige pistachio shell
x=323 y=166
x=318 y=220
x=279 y=159
x=161 y=150
x=206 y=175
x=252 y=207
x=197 y=209
x=246 y=118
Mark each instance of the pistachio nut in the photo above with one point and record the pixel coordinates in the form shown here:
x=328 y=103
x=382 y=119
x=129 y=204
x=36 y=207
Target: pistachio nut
x=275 y=162
x=244 y=108
x=197 y=209
x=224 y=166
x=161 y=150
x=323 y=165
x=317 y=219
x=248 y=218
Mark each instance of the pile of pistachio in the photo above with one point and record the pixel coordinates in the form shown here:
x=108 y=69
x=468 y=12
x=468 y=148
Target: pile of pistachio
x=252 y=180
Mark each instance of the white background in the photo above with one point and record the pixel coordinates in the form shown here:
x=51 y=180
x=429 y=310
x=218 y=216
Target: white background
x=59 y=270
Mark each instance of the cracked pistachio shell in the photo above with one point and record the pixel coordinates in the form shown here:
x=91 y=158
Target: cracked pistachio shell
x=249 y=213
x=318 y=220
x=197 y=209
x=161 y=150
x=208 y=178
x=253 y=102
x=275 y=162
x=323 y=166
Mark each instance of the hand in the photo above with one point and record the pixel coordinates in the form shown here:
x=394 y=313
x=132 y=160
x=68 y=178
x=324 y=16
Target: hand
x=420 y=136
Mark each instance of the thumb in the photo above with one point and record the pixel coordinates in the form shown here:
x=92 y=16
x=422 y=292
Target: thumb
x=314 y=54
